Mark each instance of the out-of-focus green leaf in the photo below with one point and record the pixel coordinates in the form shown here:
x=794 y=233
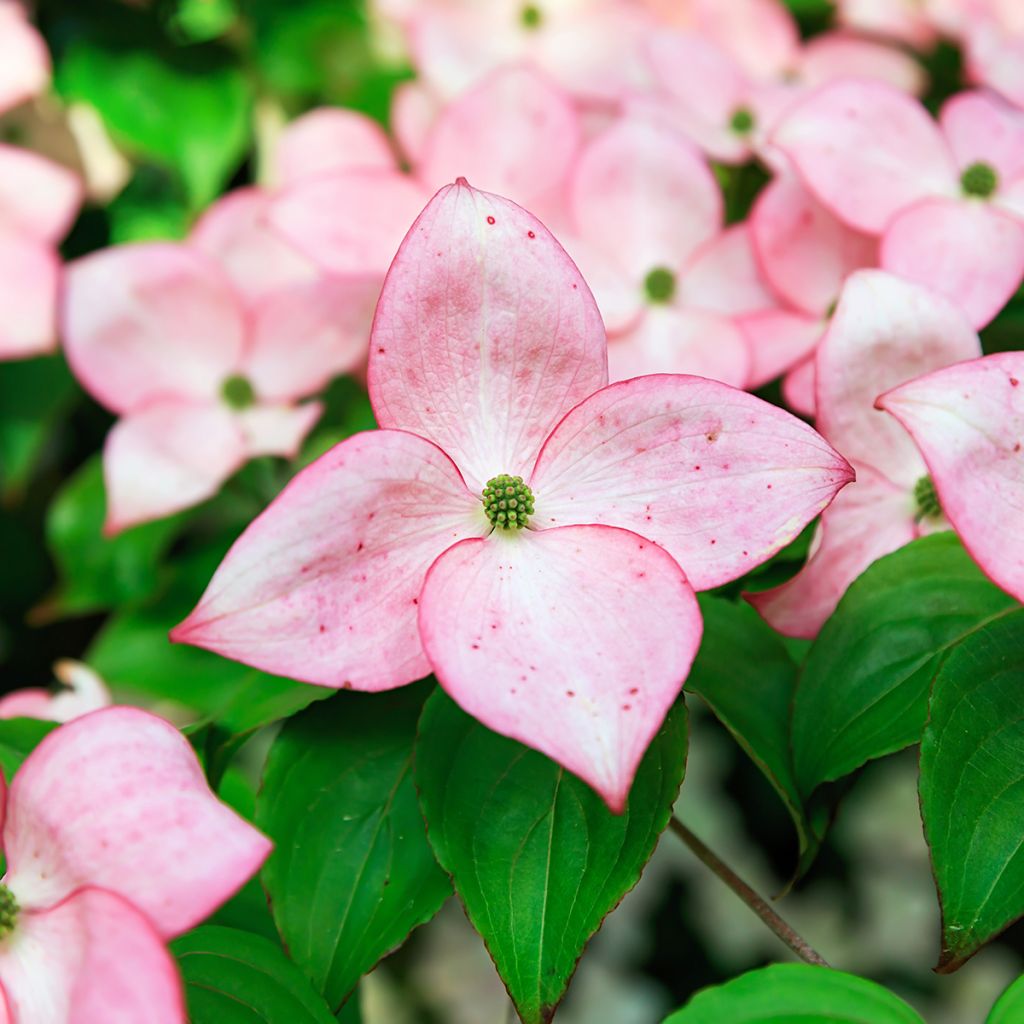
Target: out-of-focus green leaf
x=1009 y=1007
x=96 y=571
x=351 y=873
x=232 y=977
x=796 y=994
x=151 y=206
x=747 y=678
x=972 y=787
x=18 y=738
x=186 y=107
x=863 y=692
x=34 y=393
x=536 y=856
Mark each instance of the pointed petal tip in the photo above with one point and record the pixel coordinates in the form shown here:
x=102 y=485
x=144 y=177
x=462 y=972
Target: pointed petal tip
x=461 y=182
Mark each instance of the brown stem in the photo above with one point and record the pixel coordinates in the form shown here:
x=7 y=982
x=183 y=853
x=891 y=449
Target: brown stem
x=745 y=893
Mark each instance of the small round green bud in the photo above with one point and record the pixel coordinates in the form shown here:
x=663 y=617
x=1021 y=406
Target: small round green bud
x=927 y=499
x=238 y=393
x=531 y=16
x=8 y=911
x=508 y=502
x=660 y=285
x=979 y=180
x=742 y=121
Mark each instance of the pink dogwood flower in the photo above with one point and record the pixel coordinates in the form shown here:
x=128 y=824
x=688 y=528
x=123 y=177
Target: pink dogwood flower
x=24 y=59
x=918 y=23
x=728 y=103
x=805 y=254
x=114 y=844
x=884 y=331
x=968 y=422
x=82 y=691
x=947 y=199
x=526 y=532
x=205 y=360
x=38 y=202
x=647 y=217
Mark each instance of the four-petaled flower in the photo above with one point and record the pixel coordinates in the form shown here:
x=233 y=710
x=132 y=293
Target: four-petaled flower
x=572 y=633
x=114 y=844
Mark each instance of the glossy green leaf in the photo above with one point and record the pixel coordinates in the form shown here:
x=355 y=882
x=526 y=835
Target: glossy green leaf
x=1009 y=1007
x=187 y=107
x=352 y=873
x=34 y=394
x=796 y=994
x=132 y=652
x=98 y=572
x=745 y=675
x=537 y=858
x=232 y=977
x=18 y=738
x=864 y=687
x=972 y=787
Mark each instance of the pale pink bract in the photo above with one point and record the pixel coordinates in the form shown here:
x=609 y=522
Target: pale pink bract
x=82 y=691
x=378 y=563
x=114 y=844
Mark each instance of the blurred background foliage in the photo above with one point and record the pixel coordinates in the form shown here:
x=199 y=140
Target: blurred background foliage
x=190 y=92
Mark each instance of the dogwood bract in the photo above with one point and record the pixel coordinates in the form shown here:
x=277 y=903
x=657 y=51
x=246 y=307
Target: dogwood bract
x=968 y=421
x=885 y=331
x=114 y=844
x=82 y=691
x=517 y=527
x=947 y=199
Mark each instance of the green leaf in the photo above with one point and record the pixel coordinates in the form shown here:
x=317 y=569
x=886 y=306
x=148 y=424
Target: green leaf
x=972 y=788
x=98 y=572
x=352 y=873
x=751 y=696
x=796 y=994
x=537 y=858
x=18 y=738
x=1009 y=1007
x=232 y=977
x=34 y=393
x=186 y=107
x=132 y=652
x=863 y=691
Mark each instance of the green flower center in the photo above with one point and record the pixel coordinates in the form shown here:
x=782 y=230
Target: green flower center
x=8 y=911
x=927 y=498
x=238 y=393
x=742 y=121
x=660 y=284
x=531 y=16
x=979 y=180
x=508 y=502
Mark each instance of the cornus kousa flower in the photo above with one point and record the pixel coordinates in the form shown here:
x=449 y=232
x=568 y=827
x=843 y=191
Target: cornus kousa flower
x=204 y=376
x=805 y=254
x=517 y=527
x=81 y=691
x=947 y=199
x=113 y=844
x=38 y=202
x=516 y=132
x=647 y=214
x=968 y=422
x=884 y=331
x=727 y=93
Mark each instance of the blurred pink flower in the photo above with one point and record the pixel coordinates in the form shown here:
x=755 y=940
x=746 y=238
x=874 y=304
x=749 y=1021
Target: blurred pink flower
x=24 y=59
x=38 y=202
x=401 y=551
x=114 y=844
x=805 y=254
x=968 y=422
x=947 y=199
x=885 y=331
x=647 y=232
x=82 y=691
x=205 y=362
